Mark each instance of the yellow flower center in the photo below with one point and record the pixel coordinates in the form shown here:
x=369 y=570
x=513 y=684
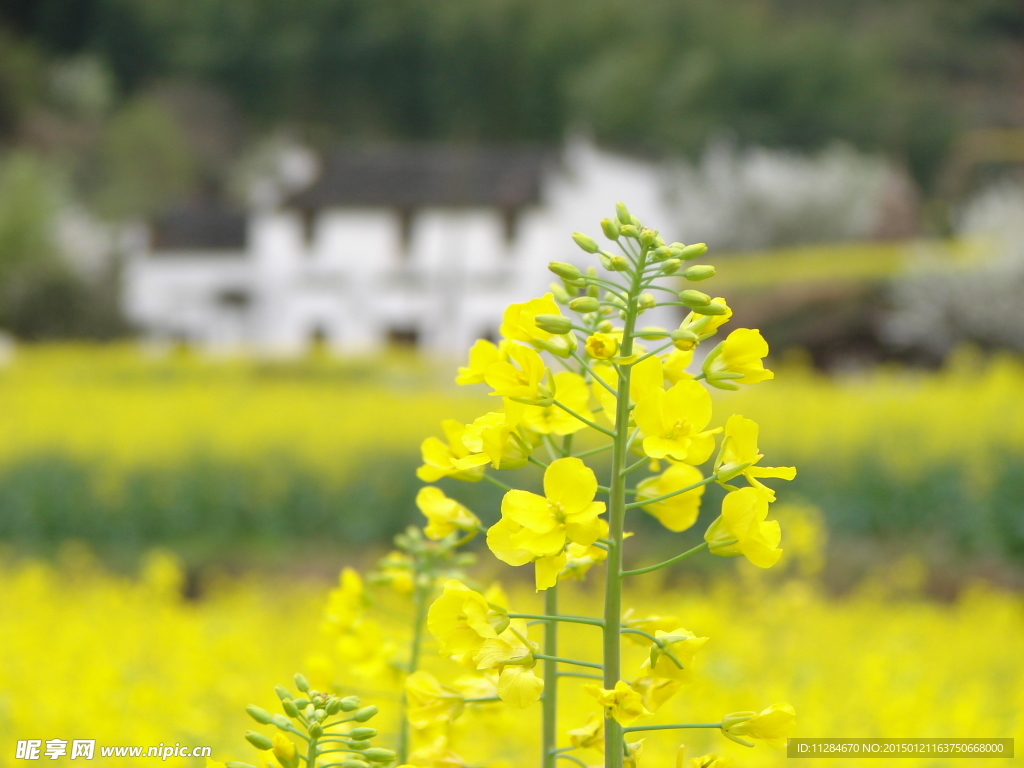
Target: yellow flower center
x=557 y=511
x=680 y=429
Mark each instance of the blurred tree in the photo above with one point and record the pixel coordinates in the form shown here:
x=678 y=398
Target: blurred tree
x=145 y=163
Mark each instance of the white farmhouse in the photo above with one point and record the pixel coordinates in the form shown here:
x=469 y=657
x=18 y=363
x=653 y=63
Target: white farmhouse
x=409 y=244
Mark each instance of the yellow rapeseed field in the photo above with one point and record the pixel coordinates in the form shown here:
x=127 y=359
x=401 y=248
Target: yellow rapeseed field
x=86 y=654
x=117 y=407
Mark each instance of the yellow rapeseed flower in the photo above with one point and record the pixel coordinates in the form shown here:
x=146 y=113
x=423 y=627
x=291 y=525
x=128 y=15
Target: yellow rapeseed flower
x=435 y=755
x=481 y=355
x=536 y=528
x=601 y=346
x=346 y=602
x=622 y=702
x=678 y=512
x=742 y=529
x=655 y=691
x=672 y=422
x=450 y=459
x=511 y=653
x=497 y=437
x=590 y=735
x=772 y=725
x=711 y=760
x=284 y=750
x=683 y=644
x=518 y=322
x=580 y=559
x=429 y=702
x=675 y=365
x=459 y=619
x=445 y=515
x=520 y=377
x=571 y=390
x=632 y=757
x=738 y=360
x=739 y=456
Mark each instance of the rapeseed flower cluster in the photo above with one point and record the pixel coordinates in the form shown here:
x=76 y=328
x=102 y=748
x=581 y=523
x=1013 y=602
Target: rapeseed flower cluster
x=650 y=412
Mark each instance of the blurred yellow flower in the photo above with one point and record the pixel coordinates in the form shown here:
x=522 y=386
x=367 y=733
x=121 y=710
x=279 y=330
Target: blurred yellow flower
x=511 y=653
x=494 y=437
x=444 y=515
x=772 y=725
x=682 y=644
x=430 y=703
x=711 y=761
x=589 y=736
x=742 y=529
x=436 y=755
x=458 y=619
x=654 y=692
x=284 y=750
x=678 y=512
x=451 y=459
x=622 y=702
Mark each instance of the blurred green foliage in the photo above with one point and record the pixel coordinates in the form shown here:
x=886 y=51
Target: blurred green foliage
x=902 y=76
x=212 y=510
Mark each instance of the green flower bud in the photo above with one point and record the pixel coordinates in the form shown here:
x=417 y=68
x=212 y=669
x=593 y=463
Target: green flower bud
x=647 y=301
x=281 y=722
x=682 y=334
x=647 y=237
x=364 y=714
x=634 y=221
x=610 y=227
x=363 y=732
x=628 y=230
x=661 y=253
x=316 y=730
x=302 y=703
x=652 y=332
x=558 y=291
x=622 y=212
x=585 y=242
x=379 y=755
x=670 y=266
x=289 y=708
x=693 y=251
x=258 y=740
x=320 y=714
x=699 y=272
x=564 y=270
x=619 y=263
x=553 y=323
x=710 y=309
x=258 y=714
x=300 y=683
x=561 y=346
x=349 y=703
x=333 y=706
x=355 y=764
x=605 y=326
x=692 y=298
x=360 y=744
x=282 y=692
x=606 y=260
x=585 y=304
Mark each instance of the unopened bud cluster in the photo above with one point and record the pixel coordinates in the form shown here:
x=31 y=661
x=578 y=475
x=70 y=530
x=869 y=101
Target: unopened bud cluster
x=324 y=722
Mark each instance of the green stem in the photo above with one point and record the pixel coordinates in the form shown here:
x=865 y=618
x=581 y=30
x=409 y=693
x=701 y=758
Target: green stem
x=671 y=727
x=660 y=643
x=635 y=465
x=563 y=756
x=616 y=520
x=549 y=735
x=421 y=596
x=482 y=700
x=666 y=563
x=592 y=451
x=592 y=372
x=588 y=422
x=560 y=617
x=311 y=753
x=580 y=674
x=656 y=499
x=577 y=662
x=498 y=483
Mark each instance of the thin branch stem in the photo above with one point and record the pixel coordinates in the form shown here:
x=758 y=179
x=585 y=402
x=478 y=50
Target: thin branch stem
x=559 y=617
x=671 y=727
x=588 y=422
x=671 y=561
x=577 y=662
x=656 y=499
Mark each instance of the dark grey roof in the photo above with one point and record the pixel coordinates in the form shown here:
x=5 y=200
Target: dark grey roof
x=206 y=224
x=416 y=175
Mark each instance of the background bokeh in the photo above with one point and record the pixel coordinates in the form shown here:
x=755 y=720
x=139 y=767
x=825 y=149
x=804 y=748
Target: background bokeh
x=172 y=518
